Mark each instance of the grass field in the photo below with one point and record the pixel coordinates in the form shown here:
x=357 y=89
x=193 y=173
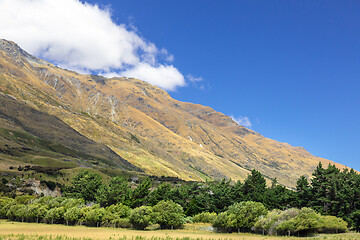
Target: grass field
x=33 y=231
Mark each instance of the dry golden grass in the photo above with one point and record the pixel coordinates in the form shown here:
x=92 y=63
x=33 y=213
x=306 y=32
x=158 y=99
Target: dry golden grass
x=191 y=232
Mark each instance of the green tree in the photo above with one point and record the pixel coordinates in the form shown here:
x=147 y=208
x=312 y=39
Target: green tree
x=279 y=197
x=254 y=187
x=41 y=212
x=221 y=195
x=118 y=191
x=84 y=185
x=163 y=192
x=303 y=192
x=94 y=216
x=325 y=187
x=355 y=218
x=55 y=215
x=72 y=215
x=140 y=217
x=5 y=204
x=140 y=193
x=31 y=212
x=168 y=214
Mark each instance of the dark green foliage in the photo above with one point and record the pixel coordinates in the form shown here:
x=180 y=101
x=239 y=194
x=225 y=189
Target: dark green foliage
x=220 y=196
x=355 y=219
x=84 y=185
x=139 y=195
x=117 y=191
x=254 y=187
x=162 y=192
x=279 y=197
x=325 y=185
x=303 y=192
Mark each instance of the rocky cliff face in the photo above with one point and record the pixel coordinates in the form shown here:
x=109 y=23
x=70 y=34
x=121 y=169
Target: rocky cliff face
x=146 y=127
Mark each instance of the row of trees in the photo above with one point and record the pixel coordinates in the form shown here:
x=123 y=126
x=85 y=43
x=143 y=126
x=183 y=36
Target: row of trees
x=329 y=192
x=253 y=216
x=72 y=211
x=194 y=197
x=245 y=216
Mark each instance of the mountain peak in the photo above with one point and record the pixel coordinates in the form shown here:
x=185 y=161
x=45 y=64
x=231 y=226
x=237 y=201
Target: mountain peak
x=15 y=52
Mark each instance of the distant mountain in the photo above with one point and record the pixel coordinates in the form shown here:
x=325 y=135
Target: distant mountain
x=128 y=124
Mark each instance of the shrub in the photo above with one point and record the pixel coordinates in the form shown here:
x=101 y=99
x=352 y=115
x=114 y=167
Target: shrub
x=121 y=210
x=121 y=223
x=140 y=217
x=205 y=217
x=332 y=224
x=269 y=223
x=168 y=214
x=240 y=217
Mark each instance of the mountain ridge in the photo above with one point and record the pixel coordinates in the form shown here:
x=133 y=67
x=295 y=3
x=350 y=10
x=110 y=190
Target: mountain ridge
x=144 y=125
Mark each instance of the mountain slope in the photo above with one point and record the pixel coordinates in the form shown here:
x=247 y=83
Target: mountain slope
x=148 y=128
x=50 y=128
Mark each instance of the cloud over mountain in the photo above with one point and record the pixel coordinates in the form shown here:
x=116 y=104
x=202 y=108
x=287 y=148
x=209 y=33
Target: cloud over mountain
x=243 y=121
x=83 y=37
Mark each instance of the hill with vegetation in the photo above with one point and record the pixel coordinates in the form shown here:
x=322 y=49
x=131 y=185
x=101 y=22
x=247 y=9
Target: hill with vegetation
x=54 y=117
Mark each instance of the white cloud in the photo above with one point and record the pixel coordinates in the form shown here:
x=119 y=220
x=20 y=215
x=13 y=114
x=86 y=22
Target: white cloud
x=164 y=76
x=194 y=79
x=81 y=36
x=243 y=121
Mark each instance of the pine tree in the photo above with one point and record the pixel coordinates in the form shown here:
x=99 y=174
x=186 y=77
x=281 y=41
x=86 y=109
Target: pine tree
x=254 y=187
x=303 y=192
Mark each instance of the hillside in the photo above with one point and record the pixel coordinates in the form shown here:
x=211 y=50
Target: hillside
x=130 y=124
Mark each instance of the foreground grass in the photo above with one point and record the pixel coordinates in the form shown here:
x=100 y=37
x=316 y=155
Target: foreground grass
x=33 y=231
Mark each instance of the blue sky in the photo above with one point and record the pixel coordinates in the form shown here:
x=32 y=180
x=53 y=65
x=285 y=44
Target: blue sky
x=291 y=67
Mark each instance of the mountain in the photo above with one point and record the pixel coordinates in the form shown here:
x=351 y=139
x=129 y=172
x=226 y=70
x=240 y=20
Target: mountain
x=128 y=124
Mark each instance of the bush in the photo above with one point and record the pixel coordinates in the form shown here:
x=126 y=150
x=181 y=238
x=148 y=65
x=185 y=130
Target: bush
x=168 y=214
x=269 y=223
x=120 y=210
x=205 y=217
x=306 y=222
x=332 y=224
x=240 y=217
x=140 y=217
x=121 y=223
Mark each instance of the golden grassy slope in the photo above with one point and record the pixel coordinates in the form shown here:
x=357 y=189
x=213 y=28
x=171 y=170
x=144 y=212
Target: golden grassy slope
x=143 y=124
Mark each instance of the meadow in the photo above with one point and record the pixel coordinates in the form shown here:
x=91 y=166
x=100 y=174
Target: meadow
x=32 y=231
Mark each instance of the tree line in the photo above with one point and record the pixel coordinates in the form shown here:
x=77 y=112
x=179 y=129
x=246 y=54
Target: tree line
x=330 y=192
